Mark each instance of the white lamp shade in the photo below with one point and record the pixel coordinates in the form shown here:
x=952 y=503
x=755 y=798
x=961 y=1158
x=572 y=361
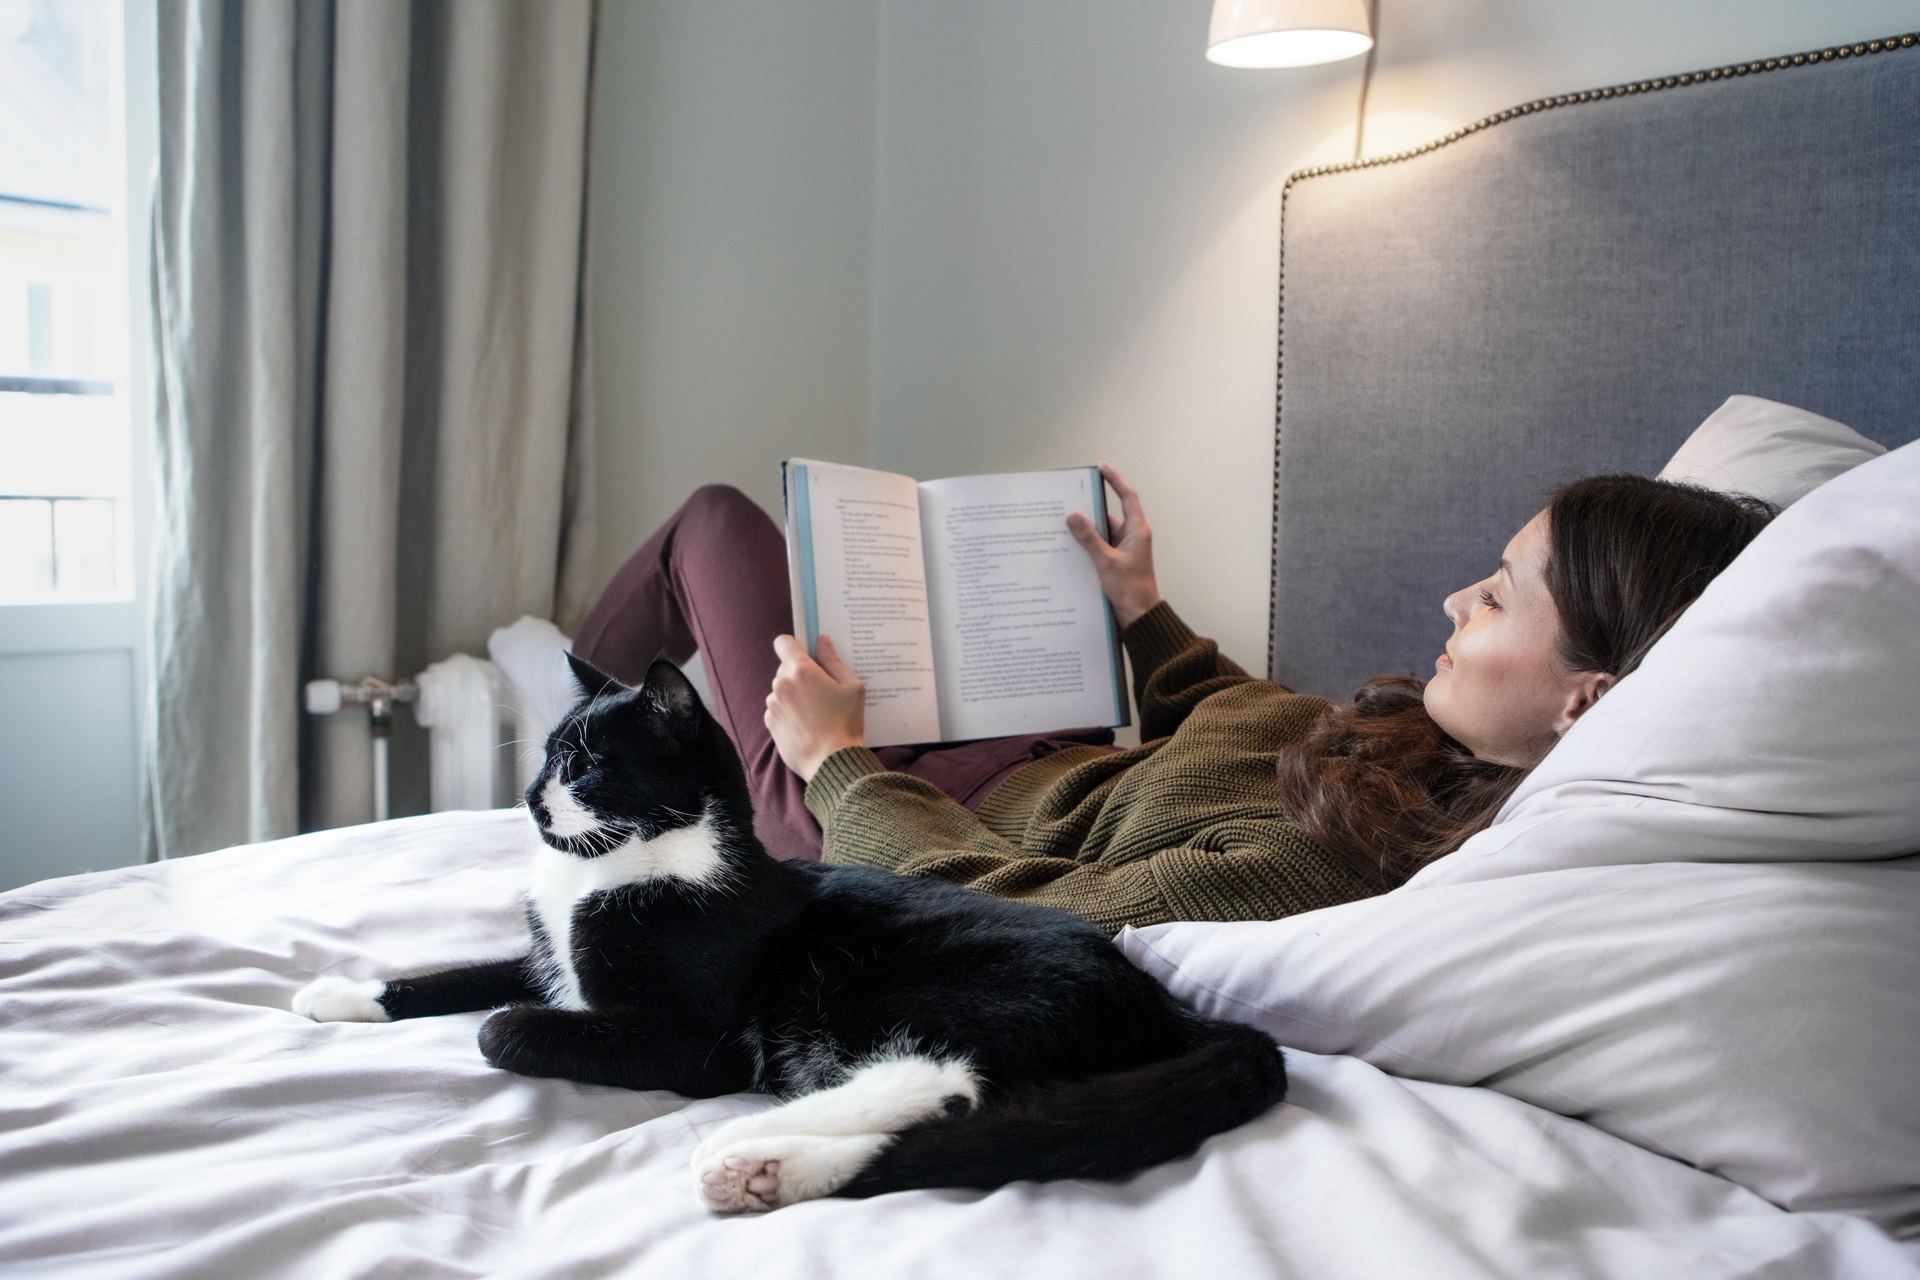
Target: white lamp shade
x=1286 y=33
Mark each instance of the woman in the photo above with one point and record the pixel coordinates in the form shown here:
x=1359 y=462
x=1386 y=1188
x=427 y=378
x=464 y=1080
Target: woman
x=1244 y=800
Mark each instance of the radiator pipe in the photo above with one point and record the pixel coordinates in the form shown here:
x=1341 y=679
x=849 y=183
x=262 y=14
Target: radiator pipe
x=324 y=697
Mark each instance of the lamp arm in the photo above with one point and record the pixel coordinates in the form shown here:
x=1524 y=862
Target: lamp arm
x=1366 y=77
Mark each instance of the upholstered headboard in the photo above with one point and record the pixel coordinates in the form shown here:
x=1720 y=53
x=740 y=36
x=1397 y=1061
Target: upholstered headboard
x=1564 y=289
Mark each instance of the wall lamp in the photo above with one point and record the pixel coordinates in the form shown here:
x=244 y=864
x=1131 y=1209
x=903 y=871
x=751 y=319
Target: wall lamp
x=1287 y=33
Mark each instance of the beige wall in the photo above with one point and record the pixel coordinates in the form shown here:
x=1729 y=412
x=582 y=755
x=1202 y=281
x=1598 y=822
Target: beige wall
x=953 y=236
x=732 y=222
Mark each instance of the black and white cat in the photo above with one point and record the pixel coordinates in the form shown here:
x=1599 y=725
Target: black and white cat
x=922 y=1034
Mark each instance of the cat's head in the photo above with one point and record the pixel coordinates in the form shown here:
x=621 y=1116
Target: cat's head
x=632 y=764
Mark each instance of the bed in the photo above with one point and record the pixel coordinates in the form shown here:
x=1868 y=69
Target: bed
x=1565 y=288
x=165 y=1116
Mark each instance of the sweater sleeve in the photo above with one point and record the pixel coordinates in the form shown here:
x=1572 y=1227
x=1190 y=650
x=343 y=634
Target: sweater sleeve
x=899 y=823
x=1174 y=670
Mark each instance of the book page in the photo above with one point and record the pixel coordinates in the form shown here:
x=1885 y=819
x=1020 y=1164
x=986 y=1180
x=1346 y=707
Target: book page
x=1022 y=636
x=854 y=558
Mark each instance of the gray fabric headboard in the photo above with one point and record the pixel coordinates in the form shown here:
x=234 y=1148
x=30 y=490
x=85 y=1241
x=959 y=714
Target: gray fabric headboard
x=1564 y=289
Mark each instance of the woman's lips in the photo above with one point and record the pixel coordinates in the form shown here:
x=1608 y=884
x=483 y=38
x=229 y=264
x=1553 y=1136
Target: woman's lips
x=1443 y=663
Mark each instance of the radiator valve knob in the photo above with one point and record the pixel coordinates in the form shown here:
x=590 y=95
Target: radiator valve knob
x=323 y=697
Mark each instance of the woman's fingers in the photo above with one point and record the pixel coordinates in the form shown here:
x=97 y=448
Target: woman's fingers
x=1124 y=558
x=1133 y=515
x=814 y=708
x=1132 y=519
x=796 y=670
x=789 y=649
x=1086 y=535
x=1116 y=530
x=797 y=665
x=831 y=663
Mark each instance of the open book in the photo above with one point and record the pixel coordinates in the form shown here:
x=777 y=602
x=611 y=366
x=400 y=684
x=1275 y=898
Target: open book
x=964 y=604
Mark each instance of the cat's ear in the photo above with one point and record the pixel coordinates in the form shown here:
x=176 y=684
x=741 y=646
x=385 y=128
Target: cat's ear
x=670 y=691
x=593 y=681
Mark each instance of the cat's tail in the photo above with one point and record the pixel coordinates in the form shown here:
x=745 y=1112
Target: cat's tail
x=1104 y=1128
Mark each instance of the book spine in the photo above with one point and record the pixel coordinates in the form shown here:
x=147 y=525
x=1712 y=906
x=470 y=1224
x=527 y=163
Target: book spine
x=1115 y=658
x=803 y=537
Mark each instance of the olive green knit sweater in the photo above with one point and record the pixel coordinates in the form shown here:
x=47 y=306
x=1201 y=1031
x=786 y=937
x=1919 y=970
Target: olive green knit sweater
x=1186 y=826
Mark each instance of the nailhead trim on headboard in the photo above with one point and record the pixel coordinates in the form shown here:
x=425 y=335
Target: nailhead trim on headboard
x=1734 y=71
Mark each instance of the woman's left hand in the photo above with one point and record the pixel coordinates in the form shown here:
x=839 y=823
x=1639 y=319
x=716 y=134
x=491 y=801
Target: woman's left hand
x=1125 y=564
x=816 y=708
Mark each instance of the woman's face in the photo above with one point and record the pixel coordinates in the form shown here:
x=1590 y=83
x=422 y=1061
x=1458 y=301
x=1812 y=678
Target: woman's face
x=1499 y=688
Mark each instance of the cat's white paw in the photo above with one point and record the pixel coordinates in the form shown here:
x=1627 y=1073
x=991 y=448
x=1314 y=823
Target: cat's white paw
x=879 y=1097
x=740 y=1184
x=335 y=999
x=819 y=1142
x=765 y=1173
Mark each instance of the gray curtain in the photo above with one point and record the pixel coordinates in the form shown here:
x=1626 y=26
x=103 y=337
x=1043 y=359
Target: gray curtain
x=373 y=427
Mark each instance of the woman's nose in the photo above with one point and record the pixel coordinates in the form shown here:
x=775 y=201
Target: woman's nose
x=1455 y=607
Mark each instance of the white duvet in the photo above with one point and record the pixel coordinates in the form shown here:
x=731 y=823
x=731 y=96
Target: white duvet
x=163 y=1114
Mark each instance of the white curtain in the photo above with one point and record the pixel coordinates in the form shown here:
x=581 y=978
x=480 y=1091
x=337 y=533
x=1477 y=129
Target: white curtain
x=373 y=425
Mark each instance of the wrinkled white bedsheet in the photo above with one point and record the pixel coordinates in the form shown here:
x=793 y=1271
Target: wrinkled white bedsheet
x=163 y=1114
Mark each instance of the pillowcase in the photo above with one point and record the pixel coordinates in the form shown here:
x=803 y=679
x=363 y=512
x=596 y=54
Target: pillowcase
x=1690 y=925
x=1759 y=1022
x=1768 y=449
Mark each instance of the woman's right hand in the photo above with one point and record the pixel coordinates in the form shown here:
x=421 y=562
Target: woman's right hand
x=1124 y=563
x=814 y=708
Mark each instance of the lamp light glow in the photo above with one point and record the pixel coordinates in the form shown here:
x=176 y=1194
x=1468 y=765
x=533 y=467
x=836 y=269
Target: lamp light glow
x=1287 y=33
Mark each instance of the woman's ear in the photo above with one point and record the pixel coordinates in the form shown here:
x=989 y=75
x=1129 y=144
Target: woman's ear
x=1586 y=689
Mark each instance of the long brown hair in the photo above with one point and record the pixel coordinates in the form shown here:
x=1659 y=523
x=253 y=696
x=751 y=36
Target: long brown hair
x=1380 y=785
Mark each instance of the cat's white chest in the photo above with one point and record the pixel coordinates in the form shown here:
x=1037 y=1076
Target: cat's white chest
x=563 y=884
x=560 y=882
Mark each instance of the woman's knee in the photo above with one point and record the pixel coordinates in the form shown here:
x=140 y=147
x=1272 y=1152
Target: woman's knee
x=725 y=507
x=720 y=497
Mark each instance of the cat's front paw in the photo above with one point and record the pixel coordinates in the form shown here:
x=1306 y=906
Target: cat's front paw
x=510 y=1040
x=335 y=999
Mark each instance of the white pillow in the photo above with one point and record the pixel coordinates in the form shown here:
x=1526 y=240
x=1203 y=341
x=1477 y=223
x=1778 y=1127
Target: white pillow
x=1760 y=1022
x=1768 y=449
x=1678 y=928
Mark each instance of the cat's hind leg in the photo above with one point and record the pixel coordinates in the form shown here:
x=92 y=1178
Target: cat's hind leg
x=817 y=1143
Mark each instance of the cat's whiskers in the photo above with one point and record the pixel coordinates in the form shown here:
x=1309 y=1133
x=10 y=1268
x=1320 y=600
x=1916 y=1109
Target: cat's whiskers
x=510 y=712
x=527 y=748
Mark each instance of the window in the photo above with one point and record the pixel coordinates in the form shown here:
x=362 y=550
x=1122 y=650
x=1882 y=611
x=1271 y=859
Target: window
x=77 y=114
x=65 y=440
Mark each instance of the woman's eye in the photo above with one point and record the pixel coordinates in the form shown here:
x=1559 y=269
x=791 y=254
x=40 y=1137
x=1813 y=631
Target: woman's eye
x=1486 y=598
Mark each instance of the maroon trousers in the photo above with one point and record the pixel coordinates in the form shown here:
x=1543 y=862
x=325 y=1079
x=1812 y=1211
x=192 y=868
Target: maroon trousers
x=714 y=578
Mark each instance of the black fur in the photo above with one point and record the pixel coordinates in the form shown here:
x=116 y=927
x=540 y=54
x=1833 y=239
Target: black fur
x=782 y=977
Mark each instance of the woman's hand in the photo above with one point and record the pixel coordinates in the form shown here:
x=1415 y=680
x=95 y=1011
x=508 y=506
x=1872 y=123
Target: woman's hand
x=1125 y=564
x=816 y=708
